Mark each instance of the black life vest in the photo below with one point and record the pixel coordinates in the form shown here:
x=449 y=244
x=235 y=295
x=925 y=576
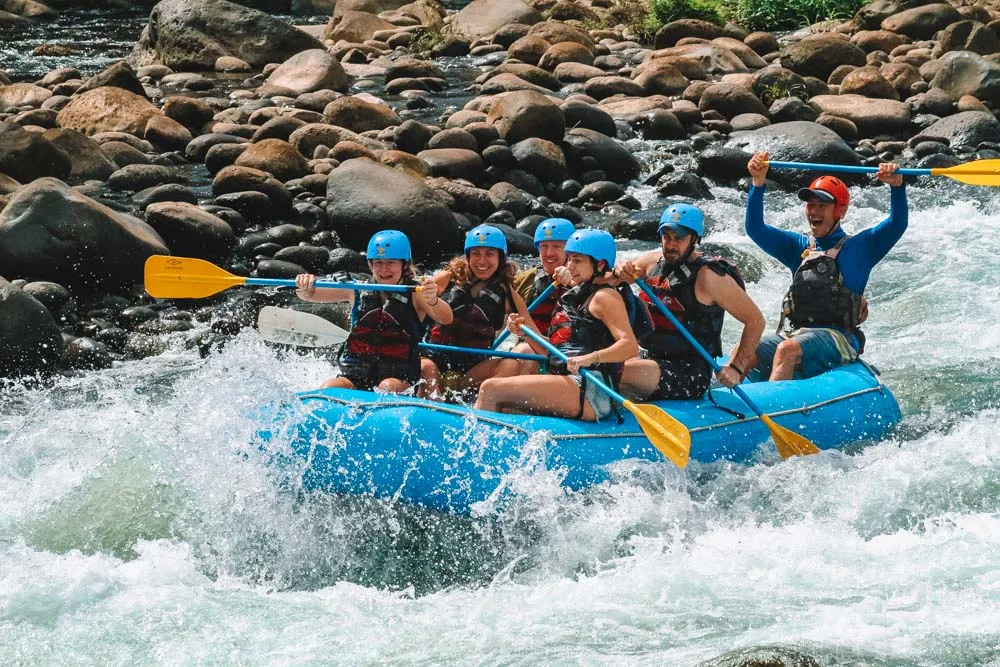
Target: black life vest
x=575 y=331
x=818 y=296
x=542 y=313
x=477 y=319
x=384 y=331
x=676 y=290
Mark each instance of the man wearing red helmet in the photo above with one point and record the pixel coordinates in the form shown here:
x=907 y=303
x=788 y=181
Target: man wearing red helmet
x=825 y=306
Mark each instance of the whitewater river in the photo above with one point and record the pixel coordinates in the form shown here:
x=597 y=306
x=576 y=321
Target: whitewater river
x=135 y=527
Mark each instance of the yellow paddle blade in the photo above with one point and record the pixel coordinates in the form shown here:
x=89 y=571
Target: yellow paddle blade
x=668 y=435
x=169 y=277
x=979 y=172
x=789 y=443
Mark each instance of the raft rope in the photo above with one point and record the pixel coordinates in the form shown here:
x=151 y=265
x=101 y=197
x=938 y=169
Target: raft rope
x=463 y=412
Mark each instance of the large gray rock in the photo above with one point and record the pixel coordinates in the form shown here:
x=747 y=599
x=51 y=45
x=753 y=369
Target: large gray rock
x=967 y=73
x=966 y=129
x=49 y=231
x=481 y=18
x=193 y=34
x=190 y=230
x=30 y=340
x=364 y=197
x=796 y=141
x=614 y=159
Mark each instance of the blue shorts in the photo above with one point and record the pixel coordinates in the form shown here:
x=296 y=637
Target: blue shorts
x=822 y=349
x=597 y=397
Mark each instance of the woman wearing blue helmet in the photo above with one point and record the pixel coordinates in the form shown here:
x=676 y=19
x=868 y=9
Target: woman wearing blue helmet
x=381 y=351
x=478 y=289
x=700 y=299
x=590 y=325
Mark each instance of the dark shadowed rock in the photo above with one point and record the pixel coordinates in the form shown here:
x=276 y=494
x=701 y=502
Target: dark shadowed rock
x=119 y=75
x=30 y=340
x=617 y=162
x=364 y=197
x=25 y=156
x=49 y=231
x=193 y=34
x=966 y=129
x=190 y=231
x=797 y=141
x=818 y=55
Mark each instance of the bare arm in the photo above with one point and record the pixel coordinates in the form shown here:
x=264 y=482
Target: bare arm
x=712 y=288
x=305 y=288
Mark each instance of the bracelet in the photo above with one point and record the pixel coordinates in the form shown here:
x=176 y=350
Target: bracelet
x=433 y=304
x=736 y=368
x=598 y=353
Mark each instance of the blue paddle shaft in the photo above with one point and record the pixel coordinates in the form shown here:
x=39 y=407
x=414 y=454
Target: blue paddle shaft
x=482 y=352
x=591 y=377
x=534 y=304
x=660 y=306
x=324 y=284
x=843 y=168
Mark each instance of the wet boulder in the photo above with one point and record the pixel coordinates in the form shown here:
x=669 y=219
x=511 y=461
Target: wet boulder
x=30 y=339
x=193 y=34
x=964 y=73
x=364 y=197
x=107 y=109
x=86 y=159
x=48 y=231
x=796 y=141
x=240 y=179
x=583 y=147
x=191 y=231
x=25 y=156
x=966 y=129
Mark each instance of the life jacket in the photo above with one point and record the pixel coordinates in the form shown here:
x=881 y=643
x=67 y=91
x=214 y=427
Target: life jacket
x=818 y=296
x=575 y=331
x=542 y=313
x=477 y=319
x=674 y=286
x=384 y=331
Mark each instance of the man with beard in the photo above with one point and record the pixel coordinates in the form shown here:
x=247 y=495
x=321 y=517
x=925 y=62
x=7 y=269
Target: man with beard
x=699 y=290
x=825 y=305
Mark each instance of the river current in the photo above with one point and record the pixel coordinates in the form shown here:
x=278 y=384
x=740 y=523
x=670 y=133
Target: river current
x=135 y=528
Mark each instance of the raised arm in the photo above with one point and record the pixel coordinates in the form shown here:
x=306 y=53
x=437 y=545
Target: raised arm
x=882 y=237
x=783 y=245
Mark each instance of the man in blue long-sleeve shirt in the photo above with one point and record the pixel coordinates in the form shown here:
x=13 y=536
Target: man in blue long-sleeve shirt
x=825 y=304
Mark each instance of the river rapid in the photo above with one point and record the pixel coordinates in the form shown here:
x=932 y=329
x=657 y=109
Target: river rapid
x=137 y=527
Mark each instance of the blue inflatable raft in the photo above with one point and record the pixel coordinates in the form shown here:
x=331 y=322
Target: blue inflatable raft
x=448 y=457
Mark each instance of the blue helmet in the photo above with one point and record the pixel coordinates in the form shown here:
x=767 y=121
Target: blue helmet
x=553 y=229
x=389 y=244
x=485 y=236
x=684 y=219
x=595 y=243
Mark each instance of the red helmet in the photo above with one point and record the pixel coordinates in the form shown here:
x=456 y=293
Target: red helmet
x=824 y=188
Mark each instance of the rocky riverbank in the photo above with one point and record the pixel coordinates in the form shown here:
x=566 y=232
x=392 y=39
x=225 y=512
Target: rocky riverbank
x=234 y=136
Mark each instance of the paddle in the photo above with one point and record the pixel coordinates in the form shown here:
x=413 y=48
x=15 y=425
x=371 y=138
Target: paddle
x=168 y=277
x=531 y=307
x=789 y=443
x=666 y=433
x=978 y=172
x=282 y=325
